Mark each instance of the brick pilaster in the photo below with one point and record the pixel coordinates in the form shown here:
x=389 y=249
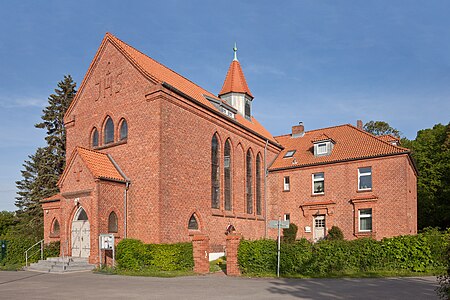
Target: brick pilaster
x=200 y=244
x=233 y=241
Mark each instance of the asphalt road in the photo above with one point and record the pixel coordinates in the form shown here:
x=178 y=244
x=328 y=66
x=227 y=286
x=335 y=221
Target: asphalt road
x=87 y=285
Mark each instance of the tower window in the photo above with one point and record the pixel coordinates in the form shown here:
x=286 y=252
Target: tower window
x=109 y=131
x=95 y=138
x=247 y=110
x=123 y=133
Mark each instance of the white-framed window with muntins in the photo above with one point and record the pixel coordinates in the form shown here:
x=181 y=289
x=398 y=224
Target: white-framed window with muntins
x=365 y=220
x=286 y=183
x=318 y=183
x=365 y=178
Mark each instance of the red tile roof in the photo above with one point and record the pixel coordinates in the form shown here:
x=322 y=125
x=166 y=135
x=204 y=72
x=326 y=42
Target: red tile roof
x=320 y=137
x=350 y=143
x=389 y=138
x=53 y=198
x=235 y=80
x=100 y=164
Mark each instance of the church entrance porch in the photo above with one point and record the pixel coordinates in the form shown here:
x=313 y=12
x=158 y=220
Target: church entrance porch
x=81 y=238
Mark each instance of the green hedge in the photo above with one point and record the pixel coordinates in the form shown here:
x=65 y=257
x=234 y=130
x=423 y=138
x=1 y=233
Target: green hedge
x=133 y=255
x=419 y=253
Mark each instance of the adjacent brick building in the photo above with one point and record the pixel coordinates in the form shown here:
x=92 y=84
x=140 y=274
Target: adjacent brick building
x=153 y=156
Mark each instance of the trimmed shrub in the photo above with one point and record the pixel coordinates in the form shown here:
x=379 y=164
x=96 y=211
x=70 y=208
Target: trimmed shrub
x=133 y=255
x=295 y=258
x=335 y=234
x=290 y=234
x=258 y=257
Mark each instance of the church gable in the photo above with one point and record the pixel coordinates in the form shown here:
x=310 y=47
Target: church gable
x=76 y=176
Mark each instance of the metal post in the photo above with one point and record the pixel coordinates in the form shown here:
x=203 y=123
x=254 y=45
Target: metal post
x=279 y=240
x=100 y=251
x=42 y=250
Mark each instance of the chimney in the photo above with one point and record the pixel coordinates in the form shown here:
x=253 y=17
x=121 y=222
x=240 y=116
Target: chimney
x=298 y=130
x=359 y=124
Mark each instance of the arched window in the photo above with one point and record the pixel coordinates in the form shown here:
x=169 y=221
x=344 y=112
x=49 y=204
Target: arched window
x=249 y=182
x=215 y=173
x=123 y=131
x=112 y=223
x=82 y=216
x=55 y=228
x=95 y=137
x=258 y=184
x=109 y=131
x=227 y=174
x=193 y=224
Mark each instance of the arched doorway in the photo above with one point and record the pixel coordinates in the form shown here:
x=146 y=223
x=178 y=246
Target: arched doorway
x=81 y=237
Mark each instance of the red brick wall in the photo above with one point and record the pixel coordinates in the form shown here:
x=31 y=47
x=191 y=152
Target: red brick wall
x=393 y=187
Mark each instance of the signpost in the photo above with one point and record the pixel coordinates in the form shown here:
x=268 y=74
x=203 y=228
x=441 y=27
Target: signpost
x=106 y=242
x=278 y=224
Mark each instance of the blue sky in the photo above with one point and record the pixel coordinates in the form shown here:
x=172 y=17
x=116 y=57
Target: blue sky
x=321 y=62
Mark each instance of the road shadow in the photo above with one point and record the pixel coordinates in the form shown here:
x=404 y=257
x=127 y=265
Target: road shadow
x=350 y=288
x=22 y=278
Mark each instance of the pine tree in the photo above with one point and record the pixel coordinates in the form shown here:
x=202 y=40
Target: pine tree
x=42 y=170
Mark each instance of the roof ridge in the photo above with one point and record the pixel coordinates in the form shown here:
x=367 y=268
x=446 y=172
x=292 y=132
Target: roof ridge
x=379 y=139
x=154 y=60
x=318 y=129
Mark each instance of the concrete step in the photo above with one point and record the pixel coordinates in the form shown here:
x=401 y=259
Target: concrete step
x=61 y=265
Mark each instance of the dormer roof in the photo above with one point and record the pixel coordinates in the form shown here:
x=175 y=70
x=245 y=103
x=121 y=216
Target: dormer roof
x=235 y=81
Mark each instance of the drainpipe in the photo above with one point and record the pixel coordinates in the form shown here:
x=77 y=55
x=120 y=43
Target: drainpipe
x=265 y=189
x=125 y=209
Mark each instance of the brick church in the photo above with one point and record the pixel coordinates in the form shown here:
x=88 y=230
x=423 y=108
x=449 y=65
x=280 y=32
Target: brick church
x=153 y=156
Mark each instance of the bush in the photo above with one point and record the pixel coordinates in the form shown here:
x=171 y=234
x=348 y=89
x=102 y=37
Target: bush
x=420 y=253
x=290 y=234
x=133 y=255
x=335 y=234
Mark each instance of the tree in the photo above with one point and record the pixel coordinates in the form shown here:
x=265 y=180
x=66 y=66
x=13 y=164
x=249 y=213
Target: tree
x=431 y=151
x=380 y=128
x=42 y=170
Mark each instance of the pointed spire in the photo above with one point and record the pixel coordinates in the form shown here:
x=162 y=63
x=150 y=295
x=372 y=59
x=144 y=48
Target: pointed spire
x=235 y=80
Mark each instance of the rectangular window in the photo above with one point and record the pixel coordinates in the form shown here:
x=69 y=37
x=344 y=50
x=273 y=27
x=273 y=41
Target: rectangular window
x=287 y=217
x=365 y=220
x=365 y=178
x=288 y=154
x=286 y=184
x=321 y=148
x=318 y=183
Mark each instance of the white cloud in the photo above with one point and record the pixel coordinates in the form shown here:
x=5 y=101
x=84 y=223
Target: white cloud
x=22 y=101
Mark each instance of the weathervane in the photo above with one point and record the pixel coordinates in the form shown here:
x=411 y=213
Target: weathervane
x=235 y=52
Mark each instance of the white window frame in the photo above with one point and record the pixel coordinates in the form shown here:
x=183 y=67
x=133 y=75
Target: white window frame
x=286 y=184
x=322 y=150
x=365 y=216
x=314 y=180
x=360 y=174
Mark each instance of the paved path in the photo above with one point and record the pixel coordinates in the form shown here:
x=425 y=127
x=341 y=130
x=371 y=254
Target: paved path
x=86 y=285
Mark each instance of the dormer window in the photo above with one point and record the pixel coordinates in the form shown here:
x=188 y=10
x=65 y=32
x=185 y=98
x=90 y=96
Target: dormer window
x=288 y=154
x=323 y=148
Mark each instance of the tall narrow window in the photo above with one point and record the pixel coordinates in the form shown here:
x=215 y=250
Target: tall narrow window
x=55 y=228
x=227 y=174
x=95 y=138
x=286 y=184
x=318 y=183
x=249 y=182
x=112 y=223
x=247 y=110
x=123 y=133
x=365 y=178
x=215 y=173
x=109 y=131
x=258 y=184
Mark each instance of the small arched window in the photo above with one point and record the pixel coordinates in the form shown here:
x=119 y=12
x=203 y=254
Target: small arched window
x=55 y=228
x=258 y=184
x=193 y=224
x=227 y=174
x=215 y=173
x=249 y=182
x=123 y=131
x=95 y=138
x=112 y=223
x=109 y=131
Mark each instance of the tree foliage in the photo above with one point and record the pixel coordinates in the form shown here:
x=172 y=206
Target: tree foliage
x=431 y=151
x=380 y=128
x=42 y=170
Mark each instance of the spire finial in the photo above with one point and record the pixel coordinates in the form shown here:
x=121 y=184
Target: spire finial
x=235 y=52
